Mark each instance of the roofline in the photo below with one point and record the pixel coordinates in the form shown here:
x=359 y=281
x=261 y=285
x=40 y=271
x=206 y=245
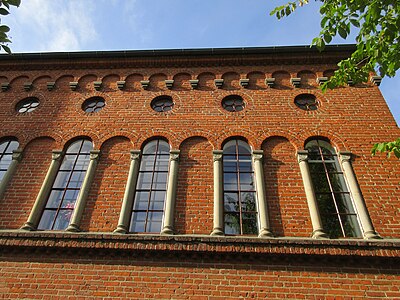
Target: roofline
x=176 y=52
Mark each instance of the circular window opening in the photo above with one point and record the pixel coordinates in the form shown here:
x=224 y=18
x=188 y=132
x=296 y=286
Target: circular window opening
x=233 y=103
x=162 y=104
x=93 y=104
x=306 y=102
x=27 y=105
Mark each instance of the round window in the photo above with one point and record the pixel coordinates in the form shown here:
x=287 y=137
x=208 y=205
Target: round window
x=162 y=104
x=93 y=104
x=233 y=103
x=27 y=105
x=306 y=102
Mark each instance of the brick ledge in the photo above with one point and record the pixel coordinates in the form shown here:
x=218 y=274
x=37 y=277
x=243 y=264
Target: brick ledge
x=198 y=244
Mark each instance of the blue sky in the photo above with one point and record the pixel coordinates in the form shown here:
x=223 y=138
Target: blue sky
x=79 y=25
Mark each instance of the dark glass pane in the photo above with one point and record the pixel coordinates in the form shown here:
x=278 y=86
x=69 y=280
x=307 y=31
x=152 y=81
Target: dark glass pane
x=157 y=200
x=82 y=162
x=144 y=181
x=160 y=181
x=245 y=166
x=231 y=202
x=138 y=222
x=47 y=220
x=230 y=147
x=249 y=223
x=326 y=205
x=154 y=222
x=344 y=203
x=246 y=182
x=76 y=179
x=230 y=165
x=230 y=182
x=70 y=198
x=232 y=224
x=248 y=200
x=351 y=226
x=141 y=200
x=316 y=168
x=55 y=199
x=243 y=147
x=320 y=183
x=147 y=163
x=331 y=167
x=68 y=162
x=332 y=226
x=338 y=183
x=62 y=220
x=61 y=179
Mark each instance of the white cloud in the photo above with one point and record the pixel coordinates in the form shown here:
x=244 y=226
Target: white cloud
x=53 y=25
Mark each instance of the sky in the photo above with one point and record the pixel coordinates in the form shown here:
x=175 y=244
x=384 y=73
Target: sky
x=82 y=25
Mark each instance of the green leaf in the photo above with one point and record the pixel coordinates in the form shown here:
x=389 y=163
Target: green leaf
x=6 y=48
x=4 y=11
x=342 y=32
x=355 y=22
x=14 y=2
x=4 y=28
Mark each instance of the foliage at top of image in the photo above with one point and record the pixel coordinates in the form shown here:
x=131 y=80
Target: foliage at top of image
x=4 y=29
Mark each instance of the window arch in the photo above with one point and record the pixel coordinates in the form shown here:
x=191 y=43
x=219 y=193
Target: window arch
x=335 y=203
x=66 y=186
x=7 y=146
x=240 y=205
x=151 y=188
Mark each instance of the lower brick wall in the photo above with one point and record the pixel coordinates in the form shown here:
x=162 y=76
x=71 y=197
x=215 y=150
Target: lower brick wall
x=48 y=274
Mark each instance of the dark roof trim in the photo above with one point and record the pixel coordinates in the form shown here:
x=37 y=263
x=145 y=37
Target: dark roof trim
x=176 y=52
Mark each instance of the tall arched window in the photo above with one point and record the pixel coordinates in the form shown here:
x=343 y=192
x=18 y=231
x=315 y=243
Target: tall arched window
x=151 y=188
x=66 y=187
x=240 y=208
x=335 y=204
x=7 y=147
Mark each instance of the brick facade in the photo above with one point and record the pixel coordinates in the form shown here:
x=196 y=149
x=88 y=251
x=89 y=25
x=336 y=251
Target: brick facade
x=191 y=264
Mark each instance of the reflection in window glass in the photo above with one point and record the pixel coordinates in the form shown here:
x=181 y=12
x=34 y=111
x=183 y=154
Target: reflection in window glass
x=6 y=150
x=240 y=212
x=66 y=187
x=151 y=188
x=335 y=204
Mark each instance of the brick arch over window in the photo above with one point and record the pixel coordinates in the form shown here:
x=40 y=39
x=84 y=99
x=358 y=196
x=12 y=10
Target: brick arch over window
x=109 y=82
x=85 y=82
x=17 y=83
x=62 y=82
x=40 y=83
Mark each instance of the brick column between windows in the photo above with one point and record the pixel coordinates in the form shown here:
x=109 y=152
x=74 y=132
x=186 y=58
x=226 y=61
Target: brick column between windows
x=302 y=157
x=16 y=158
x=218 y=194
x=168 y=227
x=84 y=191
x=41 y=199
x=129 y=195
x=261 y=195
x=368 y=229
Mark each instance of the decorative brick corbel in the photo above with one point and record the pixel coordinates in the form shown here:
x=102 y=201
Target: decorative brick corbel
x=51 y=85
x=376 y=80
x=218 y=83
x=145 y=84
x=28 y=86
x=169 y=83
x=97 y=85
x=321 y=80
x=194 y=83
x=244 y=82
x=73 y=85
x=121 y=84
x=270 y=82
x=5 y=86
x=295 y=81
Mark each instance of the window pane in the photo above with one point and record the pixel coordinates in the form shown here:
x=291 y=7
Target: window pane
x=61 y=179
x=248 y=201
x=249 y=223
x=163 y=147
x=246 y=182
x=338 y=183
x=82 y=162
x=231 y=202
x=316 y=168
x=144 y=181
x=230 y=147
x=76 y=179
x=326 y=205
x=87 y=147
x=68 y=162
x=147 y=163
x=230 y=182
x=245 y=165
x=74 y=147
x=141 y=200
x=162 y=163
x=2 y=174
x=320 y=183
x=351 y=226
x=160 y=181
x=47 y=219
x=70 y=198
x=344 y=203
x=138 y=222
x=54 y=199
x=232 y=224
x=12 y=146
x=150 y=148
x=332 y=226
x=154 y=222
x=5 y=162
x=243 y=148
x=230 y=164
x=3 y=146
x=157 y=200
x=62 y=220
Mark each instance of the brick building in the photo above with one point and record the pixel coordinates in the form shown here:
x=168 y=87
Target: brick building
x=199 y=173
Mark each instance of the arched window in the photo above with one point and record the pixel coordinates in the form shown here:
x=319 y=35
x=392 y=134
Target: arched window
x=240 y=211
x=7 y=147
x=66 y=187
x=151 y=188
x=335 y=204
